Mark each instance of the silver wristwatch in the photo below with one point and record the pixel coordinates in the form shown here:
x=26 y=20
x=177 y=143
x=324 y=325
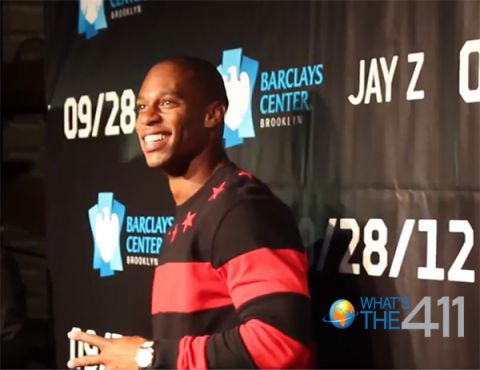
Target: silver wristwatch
x=144 y=358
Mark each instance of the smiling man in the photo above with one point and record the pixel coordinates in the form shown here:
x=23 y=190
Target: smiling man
x=230 y=290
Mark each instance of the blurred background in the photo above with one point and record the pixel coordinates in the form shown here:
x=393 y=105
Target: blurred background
x=27 y=336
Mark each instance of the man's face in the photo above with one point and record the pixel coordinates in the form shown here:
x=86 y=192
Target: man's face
x=170 y=118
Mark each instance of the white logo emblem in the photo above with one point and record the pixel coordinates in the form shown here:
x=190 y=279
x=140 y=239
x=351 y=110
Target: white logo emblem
x=106 y=219
x=238 y=93
x=90 y=9
x=107 y=230
x=239 y=73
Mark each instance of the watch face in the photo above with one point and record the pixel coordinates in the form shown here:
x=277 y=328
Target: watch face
x=144 y=357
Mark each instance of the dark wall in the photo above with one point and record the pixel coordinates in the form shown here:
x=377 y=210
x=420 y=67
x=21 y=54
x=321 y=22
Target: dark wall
x=364 y=120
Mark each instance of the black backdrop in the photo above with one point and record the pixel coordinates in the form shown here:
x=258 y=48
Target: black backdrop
x=394 y=168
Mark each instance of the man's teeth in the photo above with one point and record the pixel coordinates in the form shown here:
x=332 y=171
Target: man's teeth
x=153 y=138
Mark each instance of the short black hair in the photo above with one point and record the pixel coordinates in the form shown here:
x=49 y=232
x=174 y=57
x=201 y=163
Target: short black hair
x=205 y=74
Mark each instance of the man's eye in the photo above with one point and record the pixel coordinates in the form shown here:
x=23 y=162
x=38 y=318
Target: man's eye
x=140 y=107
x=167 y=103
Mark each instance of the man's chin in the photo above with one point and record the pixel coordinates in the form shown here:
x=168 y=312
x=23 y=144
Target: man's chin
x=153 y=162
x=172 y=166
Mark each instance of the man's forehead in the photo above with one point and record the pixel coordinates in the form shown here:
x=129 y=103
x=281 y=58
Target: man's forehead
x=171 y=67
x=168 y=75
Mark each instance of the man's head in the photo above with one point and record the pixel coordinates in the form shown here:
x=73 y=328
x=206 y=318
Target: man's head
x=180 y=111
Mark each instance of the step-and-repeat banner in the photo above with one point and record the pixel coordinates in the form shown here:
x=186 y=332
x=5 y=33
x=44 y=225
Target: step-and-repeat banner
x=364 y=117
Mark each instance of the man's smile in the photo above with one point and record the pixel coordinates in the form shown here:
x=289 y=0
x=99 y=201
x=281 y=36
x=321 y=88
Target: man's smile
x=155 y=141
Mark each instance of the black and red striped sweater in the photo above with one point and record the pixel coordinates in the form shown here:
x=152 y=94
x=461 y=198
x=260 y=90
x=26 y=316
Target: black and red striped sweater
x=231 y=287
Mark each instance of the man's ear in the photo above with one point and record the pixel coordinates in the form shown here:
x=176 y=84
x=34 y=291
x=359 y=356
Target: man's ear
x=215 y=114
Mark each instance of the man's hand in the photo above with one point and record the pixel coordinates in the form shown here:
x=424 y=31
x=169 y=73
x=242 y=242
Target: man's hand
x=118 y=353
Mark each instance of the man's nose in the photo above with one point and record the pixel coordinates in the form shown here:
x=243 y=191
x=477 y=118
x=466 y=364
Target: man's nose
x=149 y=116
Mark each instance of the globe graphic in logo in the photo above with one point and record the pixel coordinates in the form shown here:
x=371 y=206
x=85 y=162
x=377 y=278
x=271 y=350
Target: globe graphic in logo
x=341 y=314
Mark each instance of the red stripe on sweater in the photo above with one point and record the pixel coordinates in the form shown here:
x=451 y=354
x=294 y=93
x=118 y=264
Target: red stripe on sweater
x=272 y=349
x=192 y=353
x=264 y=271
x=187 y=287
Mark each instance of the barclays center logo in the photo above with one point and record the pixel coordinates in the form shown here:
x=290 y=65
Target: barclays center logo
x=106 y=219
x=91 y=17
x=285 y=95
x=141 y=244
x=239 y=73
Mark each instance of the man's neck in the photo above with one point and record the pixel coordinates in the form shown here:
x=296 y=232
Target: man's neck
x=197 y=174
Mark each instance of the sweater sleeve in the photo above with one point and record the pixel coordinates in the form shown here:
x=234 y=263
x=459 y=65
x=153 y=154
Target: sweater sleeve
x=258 y=253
